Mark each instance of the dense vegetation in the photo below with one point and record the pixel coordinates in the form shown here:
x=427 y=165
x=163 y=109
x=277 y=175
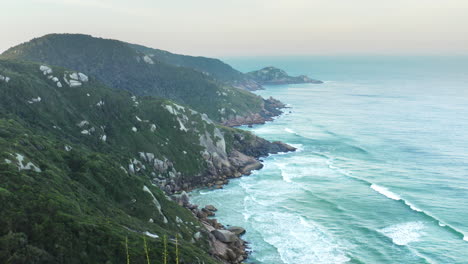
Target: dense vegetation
x=68 y=194
x=214 y=67
x=128 y=67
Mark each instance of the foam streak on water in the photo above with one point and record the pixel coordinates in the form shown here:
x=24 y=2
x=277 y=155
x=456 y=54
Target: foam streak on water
x=385 y=192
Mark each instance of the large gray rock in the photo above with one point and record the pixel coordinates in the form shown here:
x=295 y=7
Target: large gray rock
x=182 y=199
x=237 y=230
x=211 y=208
x=225 y=236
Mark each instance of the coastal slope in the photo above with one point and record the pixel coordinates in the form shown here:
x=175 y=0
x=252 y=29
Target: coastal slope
x=215 y=68
x=122 y=66
x=97 y=169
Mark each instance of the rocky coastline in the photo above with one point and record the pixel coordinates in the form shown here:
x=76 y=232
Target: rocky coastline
x=270 y=109
x=227 y=153
x=226 y=243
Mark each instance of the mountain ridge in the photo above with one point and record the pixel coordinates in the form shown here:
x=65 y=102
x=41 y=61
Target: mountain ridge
x=216 y=68
x=118 y=65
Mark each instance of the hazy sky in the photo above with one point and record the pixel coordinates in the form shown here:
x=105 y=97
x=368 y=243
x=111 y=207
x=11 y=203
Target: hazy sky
x=250 y=27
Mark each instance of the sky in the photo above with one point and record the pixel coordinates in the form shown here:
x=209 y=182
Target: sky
x=250 y=27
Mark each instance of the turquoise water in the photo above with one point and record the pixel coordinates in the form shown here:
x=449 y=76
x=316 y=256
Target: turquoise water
x=381 y=174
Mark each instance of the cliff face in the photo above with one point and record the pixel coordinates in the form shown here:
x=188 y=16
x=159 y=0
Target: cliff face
x=88 y=167
x=275 y=76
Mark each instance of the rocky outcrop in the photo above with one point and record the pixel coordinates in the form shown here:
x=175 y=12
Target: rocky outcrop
x=270 y=108
x=225 y=236
x=211 y=208
x=247 y=84
x=4 y=78
x=225 y=244
x=274 y=76
x=227 y=153
x=237 y=230
x=221 y=164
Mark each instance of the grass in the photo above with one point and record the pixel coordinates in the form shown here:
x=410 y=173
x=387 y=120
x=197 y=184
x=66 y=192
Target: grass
x=177 y=248
x=146 y=251
x=126 y=250
x=165 y=250
x=165 y=253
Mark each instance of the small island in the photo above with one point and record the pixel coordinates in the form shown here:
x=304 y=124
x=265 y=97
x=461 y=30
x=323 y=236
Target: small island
x=274 y=76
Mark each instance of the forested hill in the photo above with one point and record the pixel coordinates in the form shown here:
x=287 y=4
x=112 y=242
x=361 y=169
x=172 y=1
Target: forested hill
x=213 y=67
x=84 y=168
x=124 y=66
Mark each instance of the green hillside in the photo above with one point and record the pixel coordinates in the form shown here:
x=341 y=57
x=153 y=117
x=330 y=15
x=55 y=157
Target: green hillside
x=213 y=67
x=83 y=166
x=120 y=65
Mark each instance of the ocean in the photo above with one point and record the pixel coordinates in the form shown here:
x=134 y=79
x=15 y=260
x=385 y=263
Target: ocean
x=381 y=171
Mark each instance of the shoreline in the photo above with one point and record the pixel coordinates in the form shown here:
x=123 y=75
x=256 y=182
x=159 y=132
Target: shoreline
x=206 y=216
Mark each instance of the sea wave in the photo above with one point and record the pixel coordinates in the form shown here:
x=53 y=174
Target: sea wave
x=404 y=233
x=394 y=196
x=307 y=242
x=287 y=129
x=299 y=166
x=384 y=191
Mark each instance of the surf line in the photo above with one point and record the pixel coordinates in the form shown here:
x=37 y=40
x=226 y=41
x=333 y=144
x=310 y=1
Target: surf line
x=391 y=195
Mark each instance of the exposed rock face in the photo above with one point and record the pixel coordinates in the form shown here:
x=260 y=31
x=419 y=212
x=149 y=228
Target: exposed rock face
x=4 y=78
x=245 y=163
x=221 y=164
x=270 y=108
x=225 y=236
x=247 y=84
x=273 y=76
x=237 y=230
x=211 y=208
x=225 y=245
x=28 y=166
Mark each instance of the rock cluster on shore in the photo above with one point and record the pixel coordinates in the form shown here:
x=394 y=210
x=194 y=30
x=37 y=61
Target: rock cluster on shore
x=225 y=243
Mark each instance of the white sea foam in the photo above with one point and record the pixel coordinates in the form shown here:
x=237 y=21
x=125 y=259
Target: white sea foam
x=342 y=171
x=299 y=147
x=287 y=177
x=385 y=191
x=300 y=166
x=414 y=208
x=394 y=196
x=404 y=233
x=306 y=241
x=290 y=131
